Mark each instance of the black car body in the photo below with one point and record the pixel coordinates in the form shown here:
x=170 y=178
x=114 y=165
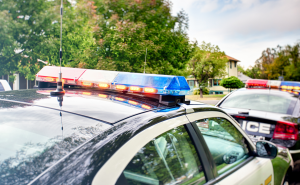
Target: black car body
x=69 y=139
x=268 y=114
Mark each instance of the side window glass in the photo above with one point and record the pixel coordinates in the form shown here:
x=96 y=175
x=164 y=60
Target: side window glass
x=170 y=158
x=226 y=144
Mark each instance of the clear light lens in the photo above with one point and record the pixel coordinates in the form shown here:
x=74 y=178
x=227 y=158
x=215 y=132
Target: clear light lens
x=135 y=89
x=121 y=87
x=102 y=95
x=103 y=85
x=149 y=90
x=133 y=102
x=119 y=99
x=87 y=83
x=86 y=93
x=146 y=106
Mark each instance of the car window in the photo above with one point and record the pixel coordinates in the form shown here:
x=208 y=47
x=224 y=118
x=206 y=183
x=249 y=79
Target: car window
x=226 y=144
x=261 y=102
x=170 y=158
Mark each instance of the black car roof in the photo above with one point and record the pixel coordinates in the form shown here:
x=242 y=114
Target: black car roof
x=106 y=106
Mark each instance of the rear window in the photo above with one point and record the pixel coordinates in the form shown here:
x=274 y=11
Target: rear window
x=32 y=139
x=261 y=102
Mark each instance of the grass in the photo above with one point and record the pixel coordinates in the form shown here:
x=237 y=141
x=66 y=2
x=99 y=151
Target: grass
x=206 y=97
x=214 y=96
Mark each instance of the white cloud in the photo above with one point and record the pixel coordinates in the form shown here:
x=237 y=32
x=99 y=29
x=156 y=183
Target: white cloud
x=243 y=28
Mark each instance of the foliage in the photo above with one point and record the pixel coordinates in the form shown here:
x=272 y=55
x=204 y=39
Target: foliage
x=232 y=83
x=280 y=61
x=205 y=91
x=252 y=71
x=26 y=28
x=207 y=62
x=79 y=46
x=127 y=28
x=100 y=34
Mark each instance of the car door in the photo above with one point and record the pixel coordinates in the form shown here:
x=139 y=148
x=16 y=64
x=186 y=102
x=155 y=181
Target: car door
x=231 y=150
x=164 y=153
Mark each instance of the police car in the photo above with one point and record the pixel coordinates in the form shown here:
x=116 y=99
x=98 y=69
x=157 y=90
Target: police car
x=4 y=86
x=124 y=128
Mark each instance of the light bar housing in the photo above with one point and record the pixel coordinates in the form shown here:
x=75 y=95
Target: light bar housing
x=120 y=81
x=291 y=87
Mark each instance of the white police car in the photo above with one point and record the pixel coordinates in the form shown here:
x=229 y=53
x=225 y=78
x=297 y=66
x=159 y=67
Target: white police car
x=4 y=86
x=128 y=129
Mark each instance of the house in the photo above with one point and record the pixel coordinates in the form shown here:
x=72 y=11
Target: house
x=214 y=84
x=243 y=77
x=20 y=81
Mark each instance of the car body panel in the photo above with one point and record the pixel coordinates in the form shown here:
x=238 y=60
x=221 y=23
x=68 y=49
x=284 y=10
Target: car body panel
x=111 y=171
x=260 y=173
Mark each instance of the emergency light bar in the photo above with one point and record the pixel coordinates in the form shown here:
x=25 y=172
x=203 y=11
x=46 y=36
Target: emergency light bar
x=120 y=81
x=50 y=74
x=292 y=87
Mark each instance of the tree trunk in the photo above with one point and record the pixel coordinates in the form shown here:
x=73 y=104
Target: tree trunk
x=201 y=93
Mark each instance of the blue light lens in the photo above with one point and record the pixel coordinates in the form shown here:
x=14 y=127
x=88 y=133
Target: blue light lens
x=164 y=84
x=290 y=85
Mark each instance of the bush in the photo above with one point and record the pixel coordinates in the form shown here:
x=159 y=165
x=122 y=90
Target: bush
x=232 y=83
x=205 y=91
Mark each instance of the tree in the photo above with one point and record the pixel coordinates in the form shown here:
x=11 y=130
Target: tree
x=79 y=45
x=232 y=82
x=207 y=62
x=126 y=28
x=26 y=28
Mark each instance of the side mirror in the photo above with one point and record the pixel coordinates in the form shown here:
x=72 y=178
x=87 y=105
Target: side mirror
x=266 y=149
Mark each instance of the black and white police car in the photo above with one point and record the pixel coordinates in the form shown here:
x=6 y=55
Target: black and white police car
x=124 y=128
x=268 y=110
x=4 y=86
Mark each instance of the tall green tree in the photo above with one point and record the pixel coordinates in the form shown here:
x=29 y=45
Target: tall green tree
x=31 y=22
x=78 y=42
x=126 y=28
x=207 y=62
x=8 y=56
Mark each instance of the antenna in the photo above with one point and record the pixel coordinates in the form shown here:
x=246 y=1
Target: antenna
x=59 y=90
x=145 y=60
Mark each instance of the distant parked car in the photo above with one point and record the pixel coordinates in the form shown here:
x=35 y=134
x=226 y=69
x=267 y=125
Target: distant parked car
x=4 y=86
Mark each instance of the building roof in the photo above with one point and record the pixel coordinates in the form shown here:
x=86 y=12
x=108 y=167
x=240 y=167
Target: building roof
x=243 y=77
x=231 y=58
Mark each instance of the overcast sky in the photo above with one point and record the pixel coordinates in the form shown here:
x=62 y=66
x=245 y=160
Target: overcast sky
x=242 y=28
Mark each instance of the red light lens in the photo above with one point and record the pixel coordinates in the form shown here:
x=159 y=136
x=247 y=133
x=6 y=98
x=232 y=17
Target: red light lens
x=286 y=130
x=241 y=117
x=256 y=83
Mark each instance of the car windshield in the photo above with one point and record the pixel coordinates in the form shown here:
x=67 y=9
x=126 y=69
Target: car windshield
x=261 y=101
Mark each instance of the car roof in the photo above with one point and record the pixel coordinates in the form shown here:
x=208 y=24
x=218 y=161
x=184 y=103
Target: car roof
x=106 y=106
x=268 y=91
